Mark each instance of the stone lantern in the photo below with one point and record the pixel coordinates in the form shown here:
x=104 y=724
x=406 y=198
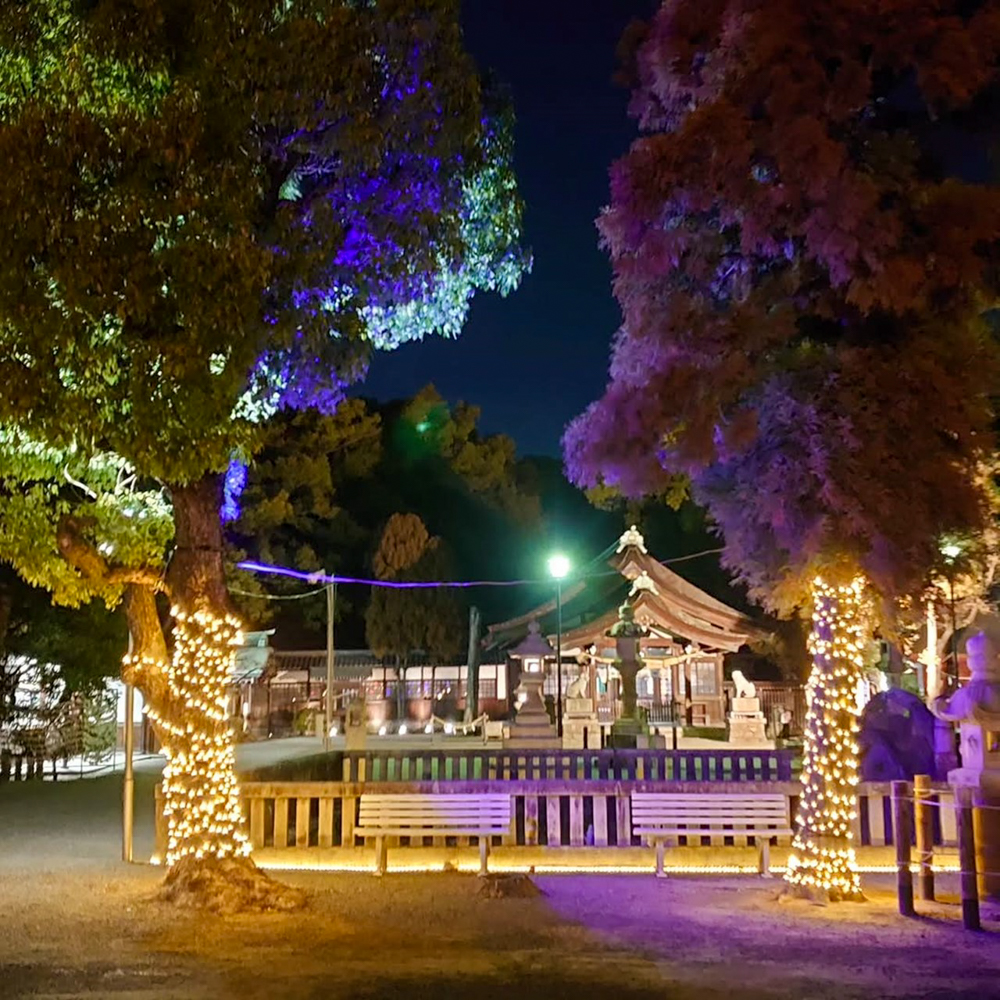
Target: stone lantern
x=975 y=706
x=531 y=727
x=628 y=634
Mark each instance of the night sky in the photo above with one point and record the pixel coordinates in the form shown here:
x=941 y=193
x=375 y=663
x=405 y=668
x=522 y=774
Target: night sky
x=536 y=359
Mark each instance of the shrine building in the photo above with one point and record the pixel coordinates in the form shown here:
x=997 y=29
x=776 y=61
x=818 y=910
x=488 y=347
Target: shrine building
x=689 y=633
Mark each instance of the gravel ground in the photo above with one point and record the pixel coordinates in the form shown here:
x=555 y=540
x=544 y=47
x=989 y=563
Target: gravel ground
x=76 y=923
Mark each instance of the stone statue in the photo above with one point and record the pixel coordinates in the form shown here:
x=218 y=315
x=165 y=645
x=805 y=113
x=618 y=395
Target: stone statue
x=642 y=582
x=630 y=539
x=744 y=687
x=578 y=687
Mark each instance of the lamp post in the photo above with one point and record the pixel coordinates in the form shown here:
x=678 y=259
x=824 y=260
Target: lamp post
x=558 y=568
x=951 y=552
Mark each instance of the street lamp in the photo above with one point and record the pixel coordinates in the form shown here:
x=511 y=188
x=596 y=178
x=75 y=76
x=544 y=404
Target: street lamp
x=558 y=568
x=951 y=552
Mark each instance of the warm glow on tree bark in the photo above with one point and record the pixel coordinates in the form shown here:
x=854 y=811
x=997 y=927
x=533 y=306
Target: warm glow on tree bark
x=823 y=859
x=201 y=795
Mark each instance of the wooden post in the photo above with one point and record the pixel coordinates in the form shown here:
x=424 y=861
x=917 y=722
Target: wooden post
x=764 y=856
x=967 y=859
x=924 y=805
x=484 y=853
x=902 y=821
x=128 y=783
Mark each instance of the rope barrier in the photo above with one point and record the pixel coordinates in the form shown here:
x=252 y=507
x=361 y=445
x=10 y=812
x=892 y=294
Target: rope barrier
x=278 y=597
x=950 y=804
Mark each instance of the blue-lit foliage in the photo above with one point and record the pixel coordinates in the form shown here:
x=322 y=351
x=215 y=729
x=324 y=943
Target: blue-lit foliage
x=234 y=232
x=233 y=484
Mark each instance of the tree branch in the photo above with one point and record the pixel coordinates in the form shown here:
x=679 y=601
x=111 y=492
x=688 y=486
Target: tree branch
x=83 y=556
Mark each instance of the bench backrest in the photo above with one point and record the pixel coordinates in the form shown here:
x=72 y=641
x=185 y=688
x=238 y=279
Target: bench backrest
x=722 y=809
x=438 y=812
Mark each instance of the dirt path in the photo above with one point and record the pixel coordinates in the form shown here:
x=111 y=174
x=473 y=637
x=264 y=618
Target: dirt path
x=84 y=932
x=76 y=923
x=702 y=929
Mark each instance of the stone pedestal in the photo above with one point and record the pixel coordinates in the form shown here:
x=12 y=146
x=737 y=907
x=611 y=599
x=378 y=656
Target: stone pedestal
x=531 y=728
x=355 y=737
x=986 y=811
x=580 y=725
x=976 y=708
x=747 y=727
x=355 y=726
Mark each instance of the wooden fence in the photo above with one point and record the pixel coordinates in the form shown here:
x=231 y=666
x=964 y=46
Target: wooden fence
x=545 y=812
x=426 y=764
x=22 y=766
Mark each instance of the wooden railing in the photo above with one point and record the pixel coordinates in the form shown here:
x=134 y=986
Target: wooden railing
x=562 y=765
x=544 y=812
x=21 y=766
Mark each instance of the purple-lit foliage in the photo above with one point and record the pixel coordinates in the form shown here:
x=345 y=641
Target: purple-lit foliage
x=803 y=286
x=236 y=230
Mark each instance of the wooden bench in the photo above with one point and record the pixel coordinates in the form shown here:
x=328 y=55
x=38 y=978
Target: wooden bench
x=439 y=815
x=662 y=816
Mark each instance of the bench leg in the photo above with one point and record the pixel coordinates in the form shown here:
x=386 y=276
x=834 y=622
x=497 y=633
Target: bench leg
x=661 y=847
x=764 y=856
x=484 y=853
x=381 y=854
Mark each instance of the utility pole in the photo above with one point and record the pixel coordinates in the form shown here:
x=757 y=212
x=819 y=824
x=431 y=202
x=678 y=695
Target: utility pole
x=472 y=667
x=331 y=606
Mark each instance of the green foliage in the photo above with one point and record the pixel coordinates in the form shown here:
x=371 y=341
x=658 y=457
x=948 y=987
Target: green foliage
x=401 y=621
x=291 y=512
x=120 y=516
x=99 y=724
x=325 y=486
x=202 y=212
x=78 y=648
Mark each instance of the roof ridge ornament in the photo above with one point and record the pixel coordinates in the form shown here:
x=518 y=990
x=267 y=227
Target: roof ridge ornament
x=643 y=582
x=632 y=539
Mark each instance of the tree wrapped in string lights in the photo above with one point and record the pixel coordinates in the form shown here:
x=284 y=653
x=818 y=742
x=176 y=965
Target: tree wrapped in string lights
x=241 y=202
x=822 y=859
x=805 y=274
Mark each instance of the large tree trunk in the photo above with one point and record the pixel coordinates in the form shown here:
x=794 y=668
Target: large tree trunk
x=823 y=863
x=207 y=854
x=186 y=687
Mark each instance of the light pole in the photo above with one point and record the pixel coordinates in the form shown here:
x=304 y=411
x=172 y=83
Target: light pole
x=558 y=568
x=951 y=552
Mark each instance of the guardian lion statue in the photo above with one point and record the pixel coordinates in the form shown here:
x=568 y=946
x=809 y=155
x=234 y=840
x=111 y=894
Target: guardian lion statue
x=578 y=687
x=744 y=688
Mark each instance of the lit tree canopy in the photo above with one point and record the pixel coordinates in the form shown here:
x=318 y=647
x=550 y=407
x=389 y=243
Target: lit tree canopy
x=806 y=284
x=805 y=273
x=239 y=201
x=214 y=210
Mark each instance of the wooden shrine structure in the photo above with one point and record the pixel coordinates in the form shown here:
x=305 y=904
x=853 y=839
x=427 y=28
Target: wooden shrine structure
x=689 y=633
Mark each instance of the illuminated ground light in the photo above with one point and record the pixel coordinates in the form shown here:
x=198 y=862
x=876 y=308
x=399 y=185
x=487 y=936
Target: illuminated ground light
x=553 y=869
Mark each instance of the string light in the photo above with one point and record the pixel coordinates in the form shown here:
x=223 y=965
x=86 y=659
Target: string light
x=201 y=801
x=823 y=856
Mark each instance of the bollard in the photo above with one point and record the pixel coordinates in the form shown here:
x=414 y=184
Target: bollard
x=902 y=821
x=923 y=801
x=967 y=859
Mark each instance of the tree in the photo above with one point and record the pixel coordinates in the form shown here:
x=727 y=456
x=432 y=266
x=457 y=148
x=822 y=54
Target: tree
x=291 y=512
x=401 y=621
x=240 y=202
x=805 y=281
